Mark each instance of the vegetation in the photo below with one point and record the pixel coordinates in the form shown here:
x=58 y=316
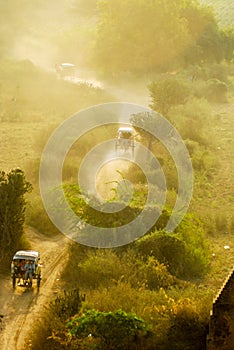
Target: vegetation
x=158 y=290
x=183 y=33
x=95 y=325
x=13 y=187
x=223 y=11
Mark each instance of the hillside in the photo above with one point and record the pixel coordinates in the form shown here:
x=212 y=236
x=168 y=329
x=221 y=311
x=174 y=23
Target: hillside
x=224 y=11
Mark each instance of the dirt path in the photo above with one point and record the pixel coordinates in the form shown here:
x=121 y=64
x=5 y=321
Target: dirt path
x=21 y=307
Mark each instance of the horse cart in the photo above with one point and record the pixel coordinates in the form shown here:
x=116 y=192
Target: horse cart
x=125 y=139
x=25 y=268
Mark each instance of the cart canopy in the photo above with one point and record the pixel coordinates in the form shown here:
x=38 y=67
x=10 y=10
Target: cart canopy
x=27 y=255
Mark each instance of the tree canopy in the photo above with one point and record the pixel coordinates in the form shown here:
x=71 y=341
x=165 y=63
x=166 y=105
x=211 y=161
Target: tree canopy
x=13 y=187
x=139 y=36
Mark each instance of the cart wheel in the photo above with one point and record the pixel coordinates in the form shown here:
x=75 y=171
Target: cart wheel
x=13 y=281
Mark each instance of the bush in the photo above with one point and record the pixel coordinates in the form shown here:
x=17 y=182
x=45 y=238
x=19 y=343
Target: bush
x=66 y=305
x=105 y=268
x=99 y=269
x=197 y=260
x=202 y=158
x=167 y=93
x=185 y=252
x=168 y=249
x=108 y=330
x=192 y=120
x=155 y=274
x=216 y=91
x=188 y=328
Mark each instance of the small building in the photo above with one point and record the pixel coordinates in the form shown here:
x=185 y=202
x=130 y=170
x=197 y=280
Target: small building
x=221 y=326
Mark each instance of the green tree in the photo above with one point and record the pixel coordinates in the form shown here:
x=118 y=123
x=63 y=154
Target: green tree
x=13 y=187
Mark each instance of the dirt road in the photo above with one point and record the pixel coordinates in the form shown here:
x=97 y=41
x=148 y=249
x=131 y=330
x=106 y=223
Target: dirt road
x=21 y=307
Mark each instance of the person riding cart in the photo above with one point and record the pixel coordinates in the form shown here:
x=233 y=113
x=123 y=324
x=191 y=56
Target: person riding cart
x=29 y=271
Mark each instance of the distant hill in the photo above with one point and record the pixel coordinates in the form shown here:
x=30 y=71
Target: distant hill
x=224 y=11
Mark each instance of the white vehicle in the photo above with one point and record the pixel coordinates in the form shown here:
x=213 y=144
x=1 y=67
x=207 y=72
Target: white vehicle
x=20 y=261
x=125 y=139
x=65 y=70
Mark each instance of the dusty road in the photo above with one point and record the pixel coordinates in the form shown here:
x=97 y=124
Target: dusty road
x=21 y=307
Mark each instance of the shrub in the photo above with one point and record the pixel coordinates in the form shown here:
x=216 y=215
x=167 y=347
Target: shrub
x=202 y=159
x=167 y=93
x=167 y=248
x=192 y=120
x=99 y=269
x=155 y=274
x=188 y=328
x=109 y=330
x=66 y=305
x=216 y=91
x=185 y=252
x=197 y=260
x=48 y=331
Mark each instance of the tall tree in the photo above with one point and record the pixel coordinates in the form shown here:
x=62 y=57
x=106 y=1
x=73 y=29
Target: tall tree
x=13 y=187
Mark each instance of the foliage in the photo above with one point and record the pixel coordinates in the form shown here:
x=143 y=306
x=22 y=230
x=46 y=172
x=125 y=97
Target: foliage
x=148 y=20
x=182 y=33
x=191 y=231
x=111 y=330
x=144 y=123
x=188 y=328
x=13 y=187
x=193 y=120
x=97 y=216
x=216 y=91
x=185 y=252
x=154 y=274
x=167 y=93
x=162 y=316
x=66 y=305
x=166 y=248
x=103 y=268
x=223 y=10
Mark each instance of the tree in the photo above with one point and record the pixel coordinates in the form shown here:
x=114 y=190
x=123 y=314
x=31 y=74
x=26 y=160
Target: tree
x=13 y=187
x=139 y=36
x=227 y=37
x=167 y=93
x=145 y=121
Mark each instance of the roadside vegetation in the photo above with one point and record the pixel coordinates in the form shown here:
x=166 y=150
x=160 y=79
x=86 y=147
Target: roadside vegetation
x=155 y=293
